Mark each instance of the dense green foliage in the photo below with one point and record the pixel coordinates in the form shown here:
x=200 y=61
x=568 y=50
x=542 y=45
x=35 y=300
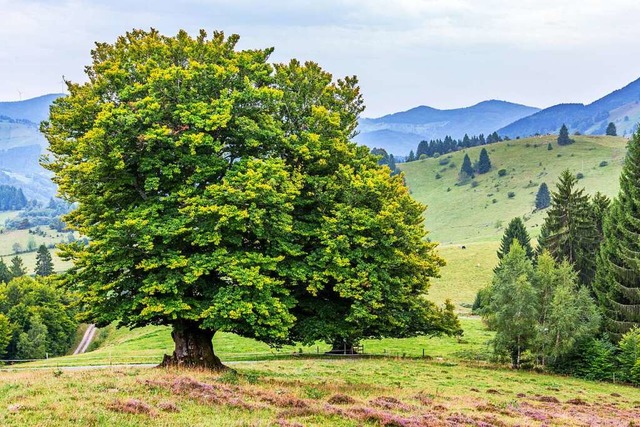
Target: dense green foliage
x=543 y=197
x=515 y=230
x=538 y=310
x=37 y=214
x=466 y=171
x=570 y=231
x=44 y=262
x=484 y=163
x=563 y=136
x=234 y=198
x=617 y=282
x=11 y=198
x=437 y=147
x=38 y=316
x=17 y=269
x=386 y=159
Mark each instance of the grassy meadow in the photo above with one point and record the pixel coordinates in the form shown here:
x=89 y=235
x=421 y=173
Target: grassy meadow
x=313 y=392
x=460 y=214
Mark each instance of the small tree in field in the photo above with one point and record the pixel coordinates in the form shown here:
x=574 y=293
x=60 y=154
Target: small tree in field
x=543 y=197
x=484 y=163
x=466 y=171
x=611 y=129
x=222 y=193
x=563 y=136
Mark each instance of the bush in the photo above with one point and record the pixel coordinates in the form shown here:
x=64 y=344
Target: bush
x=424 y=156
x=549 y=147
x=474 y=184
x=511 y=194
x=579 y=175
x=502 y=172
x=438 y=176
x=603 y=163
x=444 y=161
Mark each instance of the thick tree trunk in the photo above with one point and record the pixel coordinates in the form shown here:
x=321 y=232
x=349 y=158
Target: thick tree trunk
x=341 y=346
x=193 y=348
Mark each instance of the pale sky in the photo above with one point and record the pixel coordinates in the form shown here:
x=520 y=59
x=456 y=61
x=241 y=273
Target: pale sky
x=441 y=53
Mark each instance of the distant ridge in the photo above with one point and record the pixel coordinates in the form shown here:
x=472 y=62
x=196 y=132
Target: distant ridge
x=622 y=107
x=34 y=110
x=398 y=133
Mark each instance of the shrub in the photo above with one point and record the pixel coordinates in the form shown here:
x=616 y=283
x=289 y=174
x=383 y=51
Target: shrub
x=438 y=176
x=444 y=161
x=549 y=147
x=603 y=163
x=502 y=172
x=474 y=184
x=494 y=201
x=579 y=175
x=424 y=156
x=511 y=194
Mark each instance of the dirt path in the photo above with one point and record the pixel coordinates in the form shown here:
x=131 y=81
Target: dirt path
x=86 y=339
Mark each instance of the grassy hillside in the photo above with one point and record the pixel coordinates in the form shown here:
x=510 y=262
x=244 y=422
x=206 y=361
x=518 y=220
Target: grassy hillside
x=479 y=212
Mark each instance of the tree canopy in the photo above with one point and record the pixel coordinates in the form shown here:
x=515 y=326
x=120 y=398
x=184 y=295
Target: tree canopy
x=543 y=197
x=617 y=283
x=611 y=129
x=484 y=163
x=235 y=200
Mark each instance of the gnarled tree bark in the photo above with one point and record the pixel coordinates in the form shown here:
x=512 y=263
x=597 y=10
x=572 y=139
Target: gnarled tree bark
x=193 y=348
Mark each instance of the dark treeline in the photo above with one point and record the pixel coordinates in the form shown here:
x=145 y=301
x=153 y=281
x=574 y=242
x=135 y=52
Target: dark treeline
x=436 y=147
x=11 y=198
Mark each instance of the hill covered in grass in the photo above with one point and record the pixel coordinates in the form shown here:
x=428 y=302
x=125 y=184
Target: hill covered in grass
x=479 y=209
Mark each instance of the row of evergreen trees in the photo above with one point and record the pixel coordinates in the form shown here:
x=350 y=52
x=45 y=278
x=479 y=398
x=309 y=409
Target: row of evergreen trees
x=12 y=198
x=574 y=302
x=436 y=147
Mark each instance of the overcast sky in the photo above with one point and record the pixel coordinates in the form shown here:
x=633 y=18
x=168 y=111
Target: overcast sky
x=441 y=53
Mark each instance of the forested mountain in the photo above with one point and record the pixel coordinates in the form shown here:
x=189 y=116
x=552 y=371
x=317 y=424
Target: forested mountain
x=401 y=132
x=22 y=144
x=622 y=107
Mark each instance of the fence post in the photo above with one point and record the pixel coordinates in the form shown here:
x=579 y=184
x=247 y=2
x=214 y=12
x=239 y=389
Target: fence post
x=317 y=349
x=423 y=353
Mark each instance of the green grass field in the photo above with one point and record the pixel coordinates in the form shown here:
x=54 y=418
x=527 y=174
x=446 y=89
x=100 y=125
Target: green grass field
x=464 y=214
x=313 y=392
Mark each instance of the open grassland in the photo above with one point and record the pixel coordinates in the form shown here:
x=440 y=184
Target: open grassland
x=303 y=392
x=149 y=344
x=464 y=213
x=467 y=270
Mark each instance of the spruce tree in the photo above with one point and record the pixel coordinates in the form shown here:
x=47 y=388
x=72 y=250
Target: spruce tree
x=466 y=171
x=563 y=136
x=515 y=230
x=611 y=129
x=44 y=263
x=543 y=198
x=17 y=267
x=5 y=275
x=617 y=283
x=572 y=234
x=411 y=157
x=484 y=163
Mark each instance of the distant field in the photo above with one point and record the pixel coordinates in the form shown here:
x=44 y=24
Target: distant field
x=467 y=270
x=462 y=214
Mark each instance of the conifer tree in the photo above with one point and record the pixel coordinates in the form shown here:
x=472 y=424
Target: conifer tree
x=484 y=163
x=563 y=136
x=515 y=230
x=44 y=263
x=17 y=268
x=5 y=275
x=466 y=171
x=617 y=283
x=543 y=198
x=412 y=156
x=611 y=129
x=572 y=234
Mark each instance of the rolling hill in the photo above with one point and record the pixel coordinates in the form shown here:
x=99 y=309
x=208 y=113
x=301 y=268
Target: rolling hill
x=622 y=107
x=401 y=132
x=22 y=144
x=479 y=212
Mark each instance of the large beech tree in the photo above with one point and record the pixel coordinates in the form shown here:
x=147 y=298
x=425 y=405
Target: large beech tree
x=221 y=192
